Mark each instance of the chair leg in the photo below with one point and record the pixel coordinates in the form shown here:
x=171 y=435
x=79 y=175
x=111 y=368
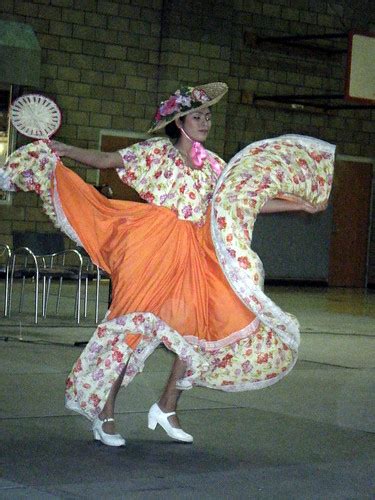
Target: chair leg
x=77 y=307
x=58 y=295
x=11 y=291
x=85 y=300
x=44 y=298
x=97 y=296
x=36 y=297
x=20 y=305
x=47 y=295
x=6 y=304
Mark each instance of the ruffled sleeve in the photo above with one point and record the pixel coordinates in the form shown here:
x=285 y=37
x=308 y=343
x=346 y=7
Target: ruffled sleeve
x=138 y=160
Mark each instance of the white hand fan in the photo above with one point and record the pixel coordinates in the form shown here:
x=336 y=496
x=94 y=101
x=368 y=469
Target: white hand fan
x=36 y=116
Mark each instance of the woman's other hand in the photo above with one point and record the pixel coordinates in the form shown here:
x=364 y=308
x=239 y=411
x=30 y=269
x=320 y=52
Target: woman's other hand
x=313 y=209
x=60 y=148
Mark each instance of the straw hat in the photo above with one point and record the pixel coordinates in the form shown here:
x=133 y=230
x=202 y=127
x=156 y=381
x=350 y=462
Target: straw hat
x=185 y=100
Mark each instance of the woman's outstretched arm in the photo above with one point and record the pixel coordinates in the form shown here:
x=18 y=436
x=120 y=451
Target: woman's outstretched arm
x=276 y=205
x=90 y=158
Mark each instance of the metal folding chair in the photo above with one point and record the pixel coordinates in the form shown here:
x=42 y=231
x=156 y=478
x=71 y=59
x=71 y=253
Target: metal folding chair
x=38 y=262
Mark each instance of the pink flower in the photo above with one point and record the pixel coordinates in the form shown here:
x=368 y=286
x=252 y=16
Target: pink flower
x=169 y=107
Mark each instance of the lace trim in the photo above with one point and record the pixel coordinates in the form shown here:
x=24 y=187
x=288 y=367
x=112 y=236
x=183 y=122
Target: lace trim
x=5 y=183
x=230 y=339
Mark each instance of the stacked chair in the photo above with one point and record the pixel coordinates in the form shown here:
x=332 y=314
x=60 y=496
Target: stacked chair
x=42 y=258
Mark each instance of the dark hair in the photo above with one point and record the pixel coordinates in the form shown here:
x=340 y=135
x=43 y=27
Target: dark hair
x=171 y=129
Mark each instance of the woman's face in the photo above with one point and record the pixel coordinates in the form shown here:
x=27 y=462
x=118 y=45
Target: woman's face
x=197 y=124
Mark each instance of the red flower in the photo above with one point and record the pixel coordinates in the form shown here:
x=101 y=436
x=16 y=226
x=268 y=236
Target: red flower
x=316 y=156
x=69 y=383
x=129 y=176
x=149 y=197
x=222 y=223
x=117 y=356
x=95 y=399
x=295 y=179
x=192 y=195
x=139 y=319
x=225 y=361
x=244 y=262
x=320 y=180
x=101 y=331
x=78 y=366
x=262 y=358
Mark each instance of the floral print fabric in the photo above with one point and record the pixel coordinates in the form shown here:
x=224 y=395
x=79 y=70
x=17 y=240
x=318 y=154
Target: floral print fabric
x=158 y=172
x=288 y=167
x=252 y=363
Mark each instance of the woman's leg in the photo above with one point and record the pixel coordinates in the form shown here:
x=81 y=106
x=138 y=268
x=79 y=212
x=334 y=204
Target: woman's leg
x=168 y=400
x=108 y=410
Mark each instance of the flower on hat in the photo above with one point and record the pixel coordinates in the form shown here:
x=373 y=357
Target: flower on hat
x=185 y=100
x=181 y=101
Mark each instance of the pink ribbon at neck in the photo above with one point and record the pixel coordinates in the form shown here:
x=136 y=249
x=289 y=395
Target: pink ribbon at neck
x=198 y=154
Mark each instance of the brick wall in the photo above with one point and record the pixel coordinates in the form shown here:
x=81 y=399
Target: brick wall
x=108 y=63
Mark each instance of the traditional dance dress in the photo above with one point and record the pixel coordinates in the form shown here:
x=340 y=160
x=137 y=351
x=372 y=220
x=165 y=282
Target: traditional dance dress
x=181 y=265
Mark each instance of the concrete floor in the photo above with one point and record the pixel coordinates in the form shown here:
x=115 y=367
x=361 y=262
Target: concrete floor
x=310 y=436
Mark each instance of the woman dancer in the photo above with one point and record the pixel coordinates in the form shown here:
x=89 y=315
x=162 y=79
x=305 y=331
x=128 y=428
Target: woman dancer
x=168 y=285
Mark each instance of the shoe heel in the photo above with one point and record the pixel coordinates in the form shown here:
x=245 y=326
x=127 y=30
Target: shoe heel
x=96 y=435
x=152 y=423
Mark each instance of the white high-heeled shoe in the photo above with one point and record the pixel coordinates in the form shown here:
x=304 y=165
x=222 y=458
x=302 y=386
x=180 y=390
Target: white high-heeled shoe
x=108 y=439
x=156 y=416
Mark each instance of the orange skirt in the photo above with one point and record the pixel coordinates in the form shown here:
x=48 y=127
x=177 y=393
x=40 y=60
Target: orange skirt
x=157 y=262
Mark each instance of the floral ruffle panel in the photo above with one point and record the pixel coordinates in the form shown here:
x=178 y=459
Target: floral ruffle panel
x=107 y=354
x=287 y=166
x=258 y=361
x=32 y=168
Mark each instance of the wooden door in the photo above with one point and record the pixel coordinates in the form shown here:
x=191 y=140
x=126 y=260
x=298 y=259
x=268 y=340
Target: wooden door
x=351 y=218
x=109 y=176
